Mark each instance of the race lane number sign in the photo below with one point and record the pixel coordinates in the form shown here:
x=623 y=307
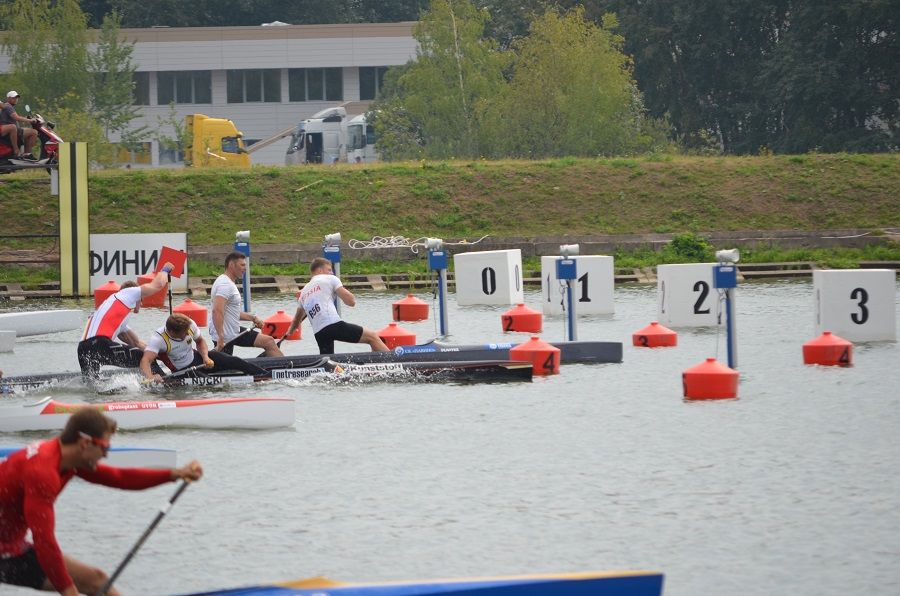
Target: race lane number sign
x=855 y=304
x=123 y=257
x=593 y=287
x=489 y=277
x=686 y=296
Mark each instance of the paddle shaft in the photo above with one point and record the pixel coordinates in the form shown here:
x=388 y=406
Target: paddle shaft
x=161 y=514
x=170 y=292
x=231 y=341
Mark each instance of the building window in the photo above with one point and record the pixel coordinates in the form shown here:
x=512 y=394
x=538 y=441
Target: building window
x=189 y=86
x=371 y=79
x=253 y=86
x=140 y=92
x=315 y=84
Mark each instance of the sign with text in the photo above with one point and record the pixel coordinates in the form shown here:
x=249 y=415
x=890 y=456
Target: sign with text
x=123 y=257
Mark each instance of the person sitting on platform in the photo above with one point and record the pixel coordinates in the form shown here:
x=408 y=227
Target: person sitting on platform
x=110 y=321
x=179 y=345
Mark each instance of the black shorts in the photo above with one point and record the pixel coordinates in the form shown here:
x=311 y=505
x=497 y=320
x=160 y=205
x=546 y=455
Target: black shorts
x=96 y=351
x=244 y=340
x=23 y=570
x=340 y=331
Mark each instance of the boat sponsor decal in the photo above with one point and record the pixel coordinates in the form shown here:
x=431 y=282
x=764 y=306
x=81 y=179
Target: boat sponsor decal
x=210 y=381
x=401 y=350
x=138 y=405
x=297 y=373
x=378 y=367
x=499 y=346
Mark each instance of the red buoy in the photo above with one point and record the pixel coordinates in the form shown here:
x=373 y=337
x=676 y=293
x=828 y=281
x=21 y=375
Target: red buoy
x=157 y=299
x=522 y=318
x=828 y=350
x=410 y=309
x=710 y=380
x=655 y=335
x=278 y=324
x=394 y=335
x=105 y=291
x=193 y=311
x=544 y=357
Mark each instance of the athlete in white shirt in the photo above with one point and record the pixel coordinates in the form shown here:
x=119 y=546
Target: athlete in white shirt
x=227 y=312
x=316 y=303
x=179 y=345
x=110 y=322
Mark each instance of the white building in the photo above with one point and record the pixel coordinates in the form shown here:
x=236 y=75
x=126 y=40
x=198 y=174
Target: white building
x=265 y=79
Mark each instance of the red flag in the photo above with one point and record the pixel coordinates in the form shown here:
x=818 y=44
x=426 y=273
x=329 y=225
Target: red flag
x=178 y=258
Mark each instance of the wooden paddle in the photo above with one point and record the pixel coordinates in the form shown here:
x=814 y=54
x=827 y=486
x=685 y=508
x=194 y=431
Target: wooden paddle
x=161 y=514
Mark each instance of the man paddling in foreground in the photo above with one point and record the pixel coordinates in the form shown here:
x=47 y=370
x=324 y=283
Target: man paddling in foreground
x=317 y=303
x=227 y=312
x=179 y=345
x=30 y=481
x=110 y=322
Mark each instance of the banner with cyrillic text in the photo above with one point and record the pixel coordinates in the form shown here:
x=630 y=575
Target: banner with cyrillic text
x=121 y=257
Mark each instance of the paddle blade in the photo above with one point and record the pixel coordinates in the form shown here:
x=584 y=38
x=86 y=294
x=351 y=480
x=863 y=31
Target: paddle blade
x=178 y=258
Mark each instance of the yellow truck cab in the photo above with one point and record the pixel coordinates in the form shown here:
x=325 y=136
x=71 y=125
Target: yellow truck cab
x=213 y=142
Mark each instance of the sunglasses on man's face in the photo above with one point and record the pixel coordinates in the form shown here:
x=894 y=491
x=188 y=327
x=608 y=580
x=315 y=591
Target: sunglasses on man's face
x=101 y=443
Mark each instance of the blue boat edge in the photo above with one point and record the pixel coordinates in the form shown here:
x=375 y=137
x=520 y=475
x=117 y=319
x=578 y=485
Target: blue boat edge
x=596 y=583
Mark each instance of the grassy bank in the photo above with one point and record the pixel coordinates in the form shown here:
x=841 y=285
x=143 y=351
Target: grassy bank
x=468 y=199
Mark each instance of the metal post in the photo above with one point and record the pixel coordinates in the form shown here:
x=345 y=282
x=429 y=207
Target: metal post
x=242 y=245
x=725 y=278
x=567 y=270
x=437 y=261
x=331 y=250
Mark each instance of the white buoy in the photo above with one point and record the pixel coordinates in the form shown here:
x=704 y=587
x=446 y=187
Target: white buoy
x=858 y=305
x=489 y=277
x=686 y=297
x=593 y=287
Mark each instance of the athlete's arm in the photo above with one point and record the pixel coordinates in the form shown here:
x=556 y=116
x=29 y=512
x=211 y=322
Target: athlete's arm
x=298 y=318
x=346 y=296
x=218 y=319
x=203 y=350
x=146 y=361
x=159 y=282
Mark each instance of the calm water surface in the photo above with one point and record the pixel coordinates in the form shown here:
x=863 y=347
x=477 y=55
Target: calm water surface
x=790 y=489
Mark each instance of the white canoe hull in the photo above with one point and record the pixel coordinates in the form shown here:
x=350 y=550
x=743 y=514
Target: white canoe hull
x=251 y=413
x=126 y=457
x=41 y=321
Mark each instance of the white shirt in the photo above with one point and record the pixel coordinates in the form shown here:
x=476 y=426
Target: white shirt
x=180 y=352
x=317 y=299
x=111 y=317
x=234 y=306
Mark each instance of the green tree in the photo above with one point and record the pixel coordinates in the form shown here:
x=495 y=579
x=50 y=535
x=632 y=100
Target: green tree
x=571 y=93
x=113 y=84
x=443 y=95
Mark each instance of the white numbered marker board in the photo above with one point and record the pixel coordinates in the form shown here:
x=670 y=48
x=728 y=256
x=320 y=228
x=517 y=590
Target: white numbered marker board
x=686 y=296
x=858 y=305
x=593 y=287
x=489 y=277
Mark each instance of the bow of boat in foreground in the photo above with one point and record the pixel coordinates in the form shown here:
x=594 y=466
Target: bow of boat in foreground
x=246 y=412
x=611 y=583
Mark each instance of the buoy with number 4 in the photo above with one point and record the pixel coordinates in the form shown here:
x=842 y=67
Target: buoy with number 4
x=410 y=309
x=394 y=336
x=655 y=335
x=522 y=318
x=193 y=311
x=710 y=380
x=105 y=291
x=543 y=357
x=828 y=350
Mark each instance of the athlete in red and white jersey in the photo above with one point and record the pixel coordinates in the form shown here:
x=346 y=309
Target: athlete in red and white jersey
x=30 y=481
x=227 y=312
x=110 y=323
x=179 y=345
x=316 y=302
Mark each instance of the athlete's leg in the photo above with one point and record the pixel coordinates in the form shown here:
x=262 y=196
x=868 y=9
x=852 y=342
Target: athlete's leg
x=371 y=338
x=267 y=343
x=87 y=579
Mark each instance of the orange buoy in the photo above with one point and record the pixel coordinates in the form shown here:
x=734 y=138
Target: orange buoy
x=193 y=311
x=522 y=318
x=655 y=335
x=157 y=299
x=105 y=291
x=410 y=309
x=394 y=335
x=278 y=324
x=828 y=350
x=544 y=357
x=710 y=380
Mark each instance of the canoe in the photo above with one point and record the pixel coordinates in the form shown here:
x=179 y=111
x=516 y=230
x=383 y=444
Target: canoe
x=613 y=583
x=251 y=412
x=126 y=457
x=305 y=367
x=41 y=321
x=571 y=352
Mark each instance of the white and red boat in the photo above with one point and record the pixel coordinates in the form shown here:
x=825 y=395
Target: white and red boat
x=125 y=457
x=243 y=412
